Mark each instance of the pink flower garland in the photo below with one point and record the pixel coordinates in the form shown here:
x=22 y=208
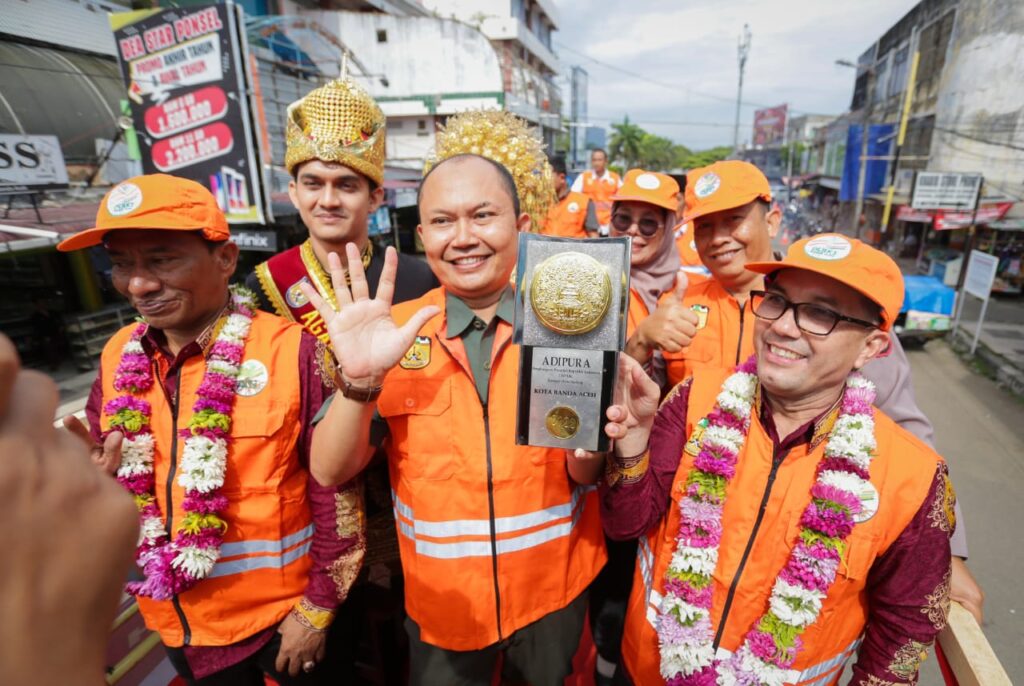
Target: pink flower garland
x=772 y=645
x=172 y=566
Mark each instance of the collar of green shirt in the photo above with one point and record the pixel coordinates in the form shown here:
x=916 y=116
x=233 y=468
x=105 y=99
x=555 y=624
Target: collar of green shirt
x=460 y=317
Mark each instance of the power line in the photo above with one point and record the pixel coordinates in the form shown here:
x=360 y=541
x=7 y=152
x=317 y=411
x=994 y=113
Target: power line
x=672 y=86
x=978 y=139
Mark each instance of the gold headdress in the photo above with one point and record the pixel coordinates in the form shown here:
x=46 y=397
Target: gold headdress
x=338 y=122
x=509 y=141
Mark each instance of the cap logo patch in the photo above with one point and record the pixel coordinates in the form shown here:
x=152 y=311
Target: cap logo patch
x=706 y=185
x=828 y=248
x=573 y=207
x=648 y=182
x=124 y=199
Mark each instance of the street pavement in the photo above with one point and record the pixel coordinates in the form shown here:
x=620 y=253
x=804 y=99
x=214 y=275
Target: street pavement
x=978 y=432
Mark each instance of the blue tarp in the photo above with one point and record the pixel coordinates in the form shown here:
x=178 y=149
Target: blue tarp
x=880 y=141
x=927 y=294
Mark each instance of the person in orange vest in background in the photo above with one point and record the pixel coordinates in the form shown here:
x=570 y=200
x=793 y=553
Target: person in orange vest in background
x=499 y=542
x=730 y=206
x=572 y=215
x=688 y=257
x=788 y=524
x=599 y=184
x=203 y=410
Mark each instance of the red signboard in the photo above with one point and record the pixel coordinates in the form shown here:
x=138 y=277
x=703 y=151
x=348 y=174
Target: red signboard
x=186 y=111
x=770 y=125
x=946 y=221
x=906 y=213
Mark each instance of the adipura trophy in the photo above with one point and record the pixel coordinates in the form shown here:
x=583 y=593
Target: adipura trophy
x=570 y=321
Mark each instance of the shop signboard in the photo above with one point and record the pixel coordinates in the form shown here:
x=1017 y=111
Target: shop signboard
x=770 y=125
x=255 y=240
x=186 y=72
x=986 y=214
x=31 y=163
x=906 y=213
x=981 y=274
x=946 y=191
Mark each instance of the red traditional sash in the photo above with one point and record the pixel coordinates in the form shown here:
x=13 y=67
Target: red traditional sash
x=281 y=277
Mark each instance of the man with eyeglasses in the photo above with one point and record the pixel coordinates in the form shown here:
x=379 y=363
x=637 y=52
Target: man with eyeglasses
x=788 y=525
x=729 y=204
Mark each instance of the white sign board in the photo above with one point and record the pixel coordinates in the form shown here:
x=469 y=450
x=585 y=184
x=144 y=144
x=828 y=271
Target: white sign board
x=981 y=273
x=30 y=163
x=945 y=191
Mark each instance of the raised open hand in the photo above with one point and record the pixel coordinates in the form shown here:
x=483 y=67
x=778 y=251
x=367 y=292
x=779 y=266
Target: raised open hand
x=366 y=340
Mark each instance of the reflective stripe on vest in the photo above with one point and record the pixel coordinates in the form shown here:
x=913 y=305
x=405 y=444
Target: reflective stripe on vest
x=558 y=521
x=268 y=553
x=828 y=667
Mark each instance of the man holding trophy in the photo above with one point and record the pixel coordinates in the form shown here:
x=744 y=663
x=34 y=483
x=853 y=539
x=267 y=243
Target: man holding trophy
x=498 y=541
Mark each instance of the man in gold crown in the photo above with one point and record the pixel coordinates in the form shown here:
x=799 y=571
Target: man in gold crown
x=335 y=155
x=499 y=542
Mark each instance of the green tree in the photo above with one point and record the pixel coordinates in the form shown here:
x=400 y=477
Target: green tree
x=625 y=142
x=656 y=153
x=703 y=158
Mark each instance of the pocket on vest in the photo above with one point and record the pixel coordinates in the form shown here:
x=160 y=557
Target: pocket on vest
x=419 y=414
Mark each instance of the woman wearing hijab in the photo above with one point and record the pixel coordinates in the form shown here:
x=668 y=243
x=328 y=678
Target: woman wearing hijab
x=645 y=210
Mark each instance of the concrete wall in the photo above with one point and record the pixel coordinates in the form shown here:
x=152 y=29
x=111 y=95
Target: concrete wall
x=980 y=98
x=420 y=56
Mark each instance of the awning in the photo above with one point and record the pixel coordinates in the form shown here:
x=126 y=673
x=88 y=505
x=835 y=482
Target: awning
x=21 y=230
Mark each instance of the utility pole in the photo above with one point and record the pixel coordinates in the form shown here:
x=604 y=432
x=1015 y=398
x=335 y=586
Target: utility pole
x=743 y=49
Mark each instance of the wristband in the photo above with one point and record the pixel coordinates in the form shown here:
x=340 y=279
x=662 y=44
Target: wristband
x=357 y=393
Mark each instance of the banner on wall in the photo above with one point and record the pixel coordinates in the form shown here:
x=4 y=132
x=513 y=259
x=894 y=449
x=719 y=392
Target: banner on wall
x=186 y=74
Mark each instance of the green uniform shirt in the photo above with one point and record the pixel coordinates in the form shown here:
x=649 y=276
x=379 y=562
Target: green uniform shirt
x=477 y=335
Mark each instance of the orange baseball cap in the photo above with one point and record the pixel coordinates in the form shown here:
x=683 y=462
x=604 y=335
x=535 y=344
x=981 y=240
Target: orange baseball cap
x=650 y=187
x=866 y=270
x=154 y=201
x=723 y=186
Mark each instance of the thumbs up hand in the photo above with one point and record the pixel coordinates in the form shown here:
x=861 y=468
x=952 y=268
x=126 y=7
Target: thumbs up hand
x=670 y=328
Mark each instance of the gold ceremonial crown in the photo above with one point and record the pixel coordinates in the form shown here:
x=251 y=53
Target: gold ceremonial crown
x=338 y=122
x=509 y=141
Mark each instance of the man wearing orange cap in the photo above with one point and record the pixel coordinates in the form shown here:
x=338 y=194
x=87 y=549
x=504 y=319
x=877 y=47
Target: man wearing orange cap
x=335 y=154
x=788 y=524
x=729 y=204
x=599 y=184
x=572 y=215
x=203 y=411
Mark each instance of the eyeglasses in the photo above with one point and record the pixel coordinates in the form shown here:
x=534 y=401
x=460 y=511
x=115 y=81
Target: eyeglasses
x=810 y=318
x=648 y=227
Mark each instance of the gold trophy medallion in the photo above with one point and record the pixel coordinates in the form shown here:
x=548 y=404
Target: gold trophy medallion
x=562 y=422
x=570 y=293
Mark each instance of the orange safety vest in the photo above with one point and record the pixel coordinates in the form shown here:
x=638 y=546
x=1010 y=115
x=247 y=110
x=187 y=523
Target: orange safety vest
x=725 y=332
x=902 y=473
x=567 y=216
x=601 y=190
x=263 y=566
x=493 y=536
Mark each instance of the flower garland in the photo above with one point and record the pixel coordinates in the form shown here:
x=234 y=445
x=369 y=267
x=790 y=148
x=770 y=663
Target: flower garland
x=173 y=565
x=685 y=634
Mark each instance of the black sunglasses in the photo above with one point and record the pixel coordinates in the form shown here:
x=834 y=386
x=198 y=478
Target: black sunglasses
x=648 y=227
x=810 y=318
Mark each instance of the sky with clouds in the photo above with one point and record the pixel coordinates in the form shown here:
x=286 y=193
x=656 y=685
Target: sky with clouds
x=690 y=47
